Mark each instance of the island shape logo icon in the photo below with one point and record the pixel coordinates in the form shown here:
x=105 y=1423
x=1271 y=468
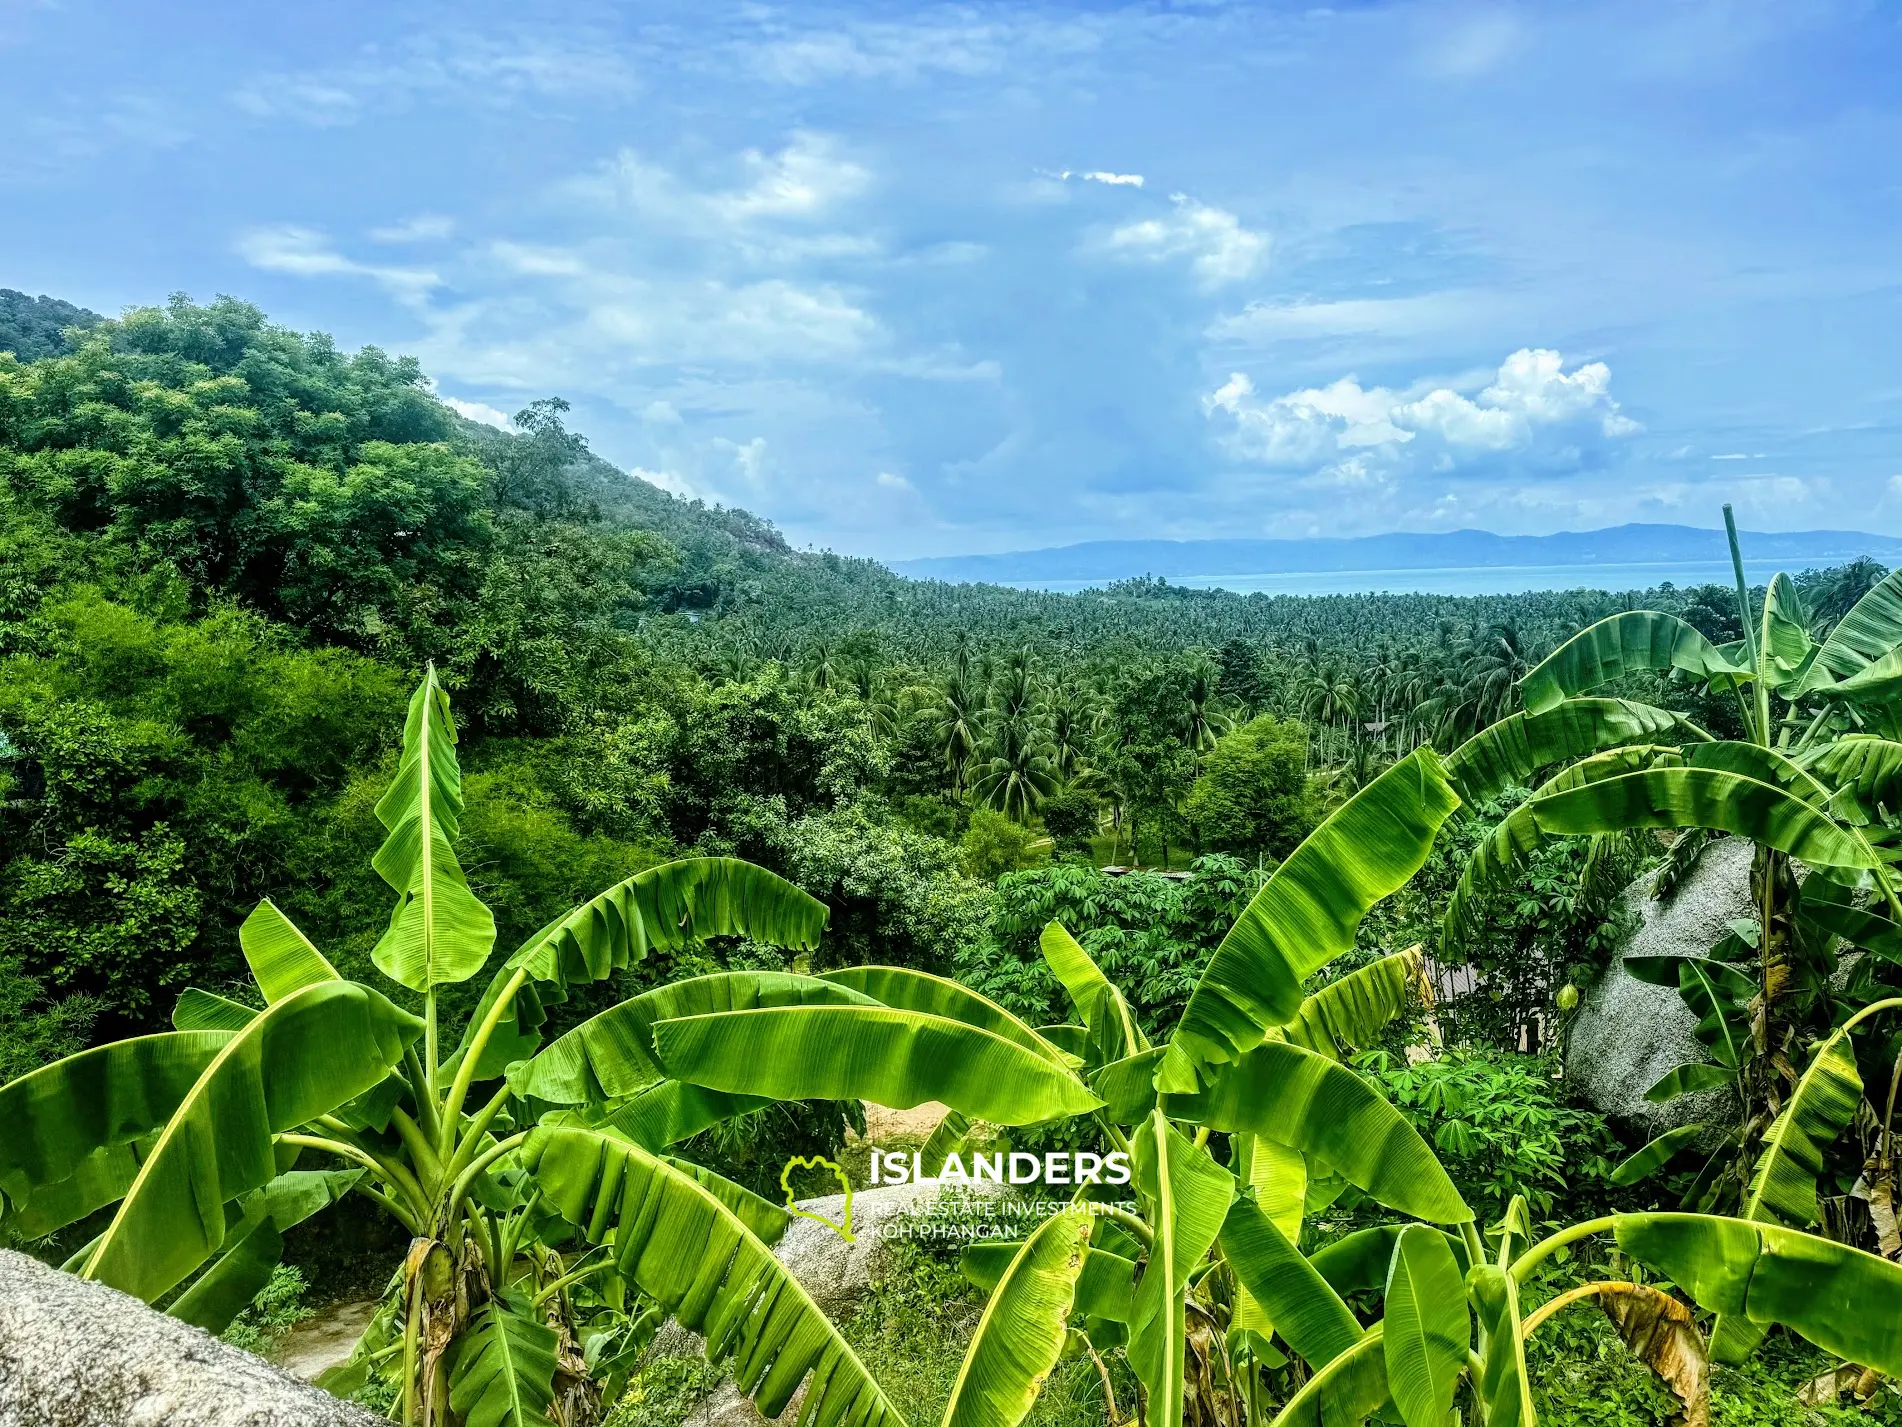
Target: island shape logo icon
x=841 y=1227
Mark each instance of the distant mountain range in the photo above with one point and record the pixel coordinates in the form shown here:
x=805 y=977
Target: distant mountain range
x=1207 y=561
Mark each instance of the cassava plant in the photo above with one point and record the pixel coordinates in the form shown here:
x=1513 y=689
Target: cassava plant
x=1241 y=1124
x=546 y=1242
x=1814 y=788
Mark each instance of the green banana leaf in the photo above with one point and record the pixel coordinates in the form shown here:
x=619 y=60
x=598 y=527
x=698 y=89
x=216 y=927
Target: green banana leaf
x=1278 y=1178
x=1717 y=992
x=1817 y=1288
x=1783 y=1184
x=1860 y=766
x=667 y=1112
x=1871 y=629
x=1306 y=915
x=200 y=1010
x=1623 y=644
x=690 y=1253
x=890 y=1057
x=764 y=1220
x=1097 y=999
x=1128 y=1086
x=64 y=1119
x=1691 y=1079
x=1654 y=1156
x=281 y=958
x=949 y=1138
x=1294 y=1097
x=1787 y=649
x=1350 y=1013
x=1707 y=798
x=255 y=1245
x=1345 y=1393
x=1105 y=1288
x=1504 y=1382
x=907 y=990
x=1360 y=1261
x=1307 y=1313
x=612 y=1055
x=503 y=1371
x=1510 y=752
x=1427 y=1329
x=1187 y=1195
x=439 y=930
x=1832 y=906
x=1021 y=1333
x=664 y=908
x=302 y=1057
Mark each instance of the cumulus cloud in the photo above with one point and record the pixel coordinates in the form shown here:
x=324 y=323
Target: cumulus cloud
x=1533 y=412
x=1098 y=175
x=1219 y=249
x=304 y=252
x=804 y=179
x=478 y=411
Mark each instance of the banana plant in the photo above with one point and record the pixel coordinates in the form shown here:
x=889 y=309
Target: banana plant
x=1813 y=786
x=551 y=1228
x=1241 y=1126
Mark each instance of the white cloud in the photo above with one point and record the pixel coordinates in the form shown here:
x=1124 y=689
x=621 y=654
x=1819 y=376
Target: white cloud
x=670 y=481
x=1115 y=180
x=304 y=252
x=952 y=41
x=806 y=178
x=478 y=411
x=892 y=482
x=1533 y=411
x=1220 y=250
x=423 y=228
x=1385 y=316
x=1740 y=456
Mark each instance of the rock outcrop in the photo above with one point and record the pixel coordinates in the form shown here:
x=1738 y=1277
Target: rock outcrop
x=1628 y=1033
x=78 y=1354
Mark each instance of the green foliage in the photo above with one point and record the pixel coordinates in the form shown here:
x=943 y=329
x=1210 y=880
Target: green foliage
x=1502 y=1127
x=1071 y=821
x=1252 y=796
x=279 y=1307
x=994 y=845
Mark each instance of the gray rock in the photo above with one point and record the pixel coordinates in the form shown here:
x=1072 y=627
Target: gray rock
x=325 y=1339
x=1627 y=1033
x=78 y=1354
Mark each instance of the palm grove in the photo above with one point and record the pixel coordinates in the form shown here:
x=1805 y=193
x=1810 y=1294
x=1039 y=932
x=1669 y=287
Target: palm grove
x=676 y=813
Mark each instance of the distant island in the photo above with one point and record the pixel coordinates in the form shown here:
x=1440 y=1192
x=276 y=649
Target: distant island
x=1254 y=564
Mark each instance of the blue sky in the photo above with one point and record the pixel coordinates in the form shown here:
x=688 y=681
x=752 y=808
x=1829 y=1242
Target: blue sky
x=918 y=280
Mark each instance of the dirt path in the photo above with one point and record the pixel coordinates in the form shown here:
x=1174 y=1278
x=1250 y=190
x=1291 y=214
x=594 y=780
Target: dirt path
x=324 y=1340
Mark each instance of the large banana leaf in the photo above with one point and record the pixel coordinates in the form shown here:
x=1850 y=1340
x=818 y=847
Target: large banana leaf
x=1783 y=1185
x=907 y=990
x=503 y=1374
x=1692 y=1078
x=1102 y=1005
x=1623 y=644
x=1787 y=650
x=690 y=1253
x=1104 y=1289
x=255 y=1244
x=1278 y=1177
x=612 y=1055
x=67 y=1119
x=1360 y=1261
x=662 y=908
x=303 y=1057
x=765 y=1220
x=1707 y=798
x=1832 y=906
x=1128 y=1086
x=1646 y=1162
x=1871 y=629
x=1345 y=1393
x=667 y=1112
x=1307 y=1313
x=1717 y=992
x=1508 y=753
x=201 y=1010
x=1831 y=1294
x=1504 y=1381
x=1870 y=688
x=1351 y=1013
x=281 y=958
x=1021 y=1334
x=439 y=931
x=1188 y=1196
x=1294 y=1097
x=1860 y=766
x=890 y=1057
x=1306 y=915
x=1426 y=1327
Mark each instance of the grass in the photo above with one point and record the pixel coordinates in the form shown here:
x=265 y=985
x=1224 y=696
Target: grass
x=280 y=1306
